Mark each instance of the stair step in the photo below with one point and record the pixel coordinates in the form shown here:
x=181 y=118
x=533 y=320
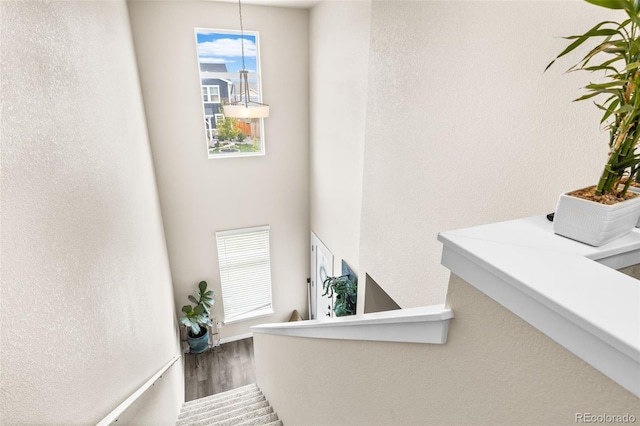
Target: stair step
x=223 y=396
x=247 y=417
x=203 y=402
x=205 y=411
x=270 y=419
x=244 y=406
x=231 y=417
x=195 y=409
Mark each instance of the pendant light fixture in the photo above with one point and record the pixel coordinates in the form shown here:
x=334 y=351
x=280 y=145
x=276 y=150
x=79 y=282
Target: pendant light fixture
x=243 y=106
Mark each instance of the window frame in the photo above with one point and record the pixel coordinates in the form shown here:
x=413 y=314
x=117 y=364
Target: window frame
x=209 y=95
x=232 y=77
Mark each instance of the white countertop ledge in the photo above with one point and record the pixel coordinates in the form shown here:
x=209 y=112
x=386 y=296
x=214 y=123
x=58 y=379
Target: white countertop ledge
x=567 y=290
x=426 y=324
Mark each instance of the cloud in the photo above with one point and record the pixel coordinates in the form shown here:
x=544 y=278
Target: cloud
x=216 y=61
x=226 y=47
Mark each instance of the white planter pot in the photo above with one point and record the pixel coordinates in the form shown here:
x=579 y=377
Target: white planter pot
x=637 y=191
x=594 y=223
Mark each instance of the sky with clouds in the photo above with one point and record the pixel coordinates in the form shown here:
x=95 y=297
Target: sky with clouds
x=226 y=48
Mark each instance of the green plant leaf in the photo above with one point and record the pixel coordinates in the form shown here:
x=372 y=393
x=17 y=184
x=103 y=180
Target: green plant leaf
x=604 y=66
x=202 y=286
x=612 y=4
x=345 y=291
x=596 y=93
x=598 y=86
x=579 y=40
x=604 y=47
x=195 y=328
x=193 y=299
x=624 y=109
x=628 y=6
x=186 y=309
x=632 y=66
x=610 y=110
x=199 y=310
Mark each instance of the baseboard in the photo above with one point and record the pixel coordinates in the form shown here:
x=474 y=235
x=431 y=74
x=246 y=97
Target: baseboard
x=234 y=338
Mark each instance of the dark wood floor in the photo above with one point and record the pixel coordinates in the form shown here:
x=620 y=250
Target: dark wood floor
x=223 y=368
x=632 y=271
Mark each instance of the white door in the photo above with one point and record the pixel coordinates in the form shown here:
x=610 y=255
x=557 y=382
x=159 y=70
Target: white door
x=321 y=268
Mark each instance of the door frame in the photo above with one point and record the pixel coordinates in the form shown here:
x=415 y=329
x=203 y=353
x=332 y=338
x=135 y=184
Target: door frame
x=315 y=289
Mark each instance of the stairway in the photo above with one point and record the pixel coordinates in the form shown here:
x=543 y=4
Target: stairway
x=244 y=406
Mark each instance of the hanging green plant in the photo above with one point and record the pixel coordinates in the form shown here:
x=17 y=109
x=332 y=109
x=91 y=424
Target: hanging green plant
x=346 y=292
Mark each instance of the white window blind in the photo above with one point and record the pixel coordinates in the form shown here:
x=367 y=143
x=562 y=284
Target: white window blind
x=245 y=273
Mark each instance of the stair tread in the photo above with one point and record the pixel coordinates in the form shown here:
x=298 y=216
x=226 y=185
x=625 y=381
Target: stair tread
x=224 y=413
x=270 y=419
x=246 y=417
x=229 y=418
x=207 y=400
x=223 y=395
x=219 y=405
x=244 y=406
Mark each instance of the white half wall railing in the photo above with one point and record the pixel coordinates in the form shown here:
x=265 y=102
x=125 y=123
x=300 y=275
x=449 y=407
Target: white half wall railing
x=112 y=417
x=565 y=289
x=427 y=324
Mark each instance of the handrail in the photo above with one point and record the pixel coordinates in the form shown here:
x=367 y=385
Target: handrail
x=426 y=324
x=117 y=412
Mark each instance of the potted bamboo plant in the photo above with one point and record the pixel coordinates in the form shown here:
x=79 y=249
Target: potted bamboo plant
x=599 y=214
x=196 y=318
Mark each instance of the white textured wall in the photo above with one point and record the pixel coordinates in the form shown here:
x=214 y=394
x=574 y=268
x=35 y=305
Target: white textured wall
x=200 y=196
x=495 y=370
x=86 y=301
x=339 y=59
x=464 y=128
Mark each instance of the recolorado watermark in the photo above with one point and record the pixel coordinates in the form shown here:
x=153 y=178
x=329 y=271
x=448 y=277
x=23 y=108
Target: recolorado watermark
x=605 y=418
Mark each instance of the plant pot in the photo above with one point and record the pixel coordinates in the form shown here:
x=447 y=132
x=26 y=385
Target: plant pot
x=594 y=223
x=199 y=343
x=637 y=191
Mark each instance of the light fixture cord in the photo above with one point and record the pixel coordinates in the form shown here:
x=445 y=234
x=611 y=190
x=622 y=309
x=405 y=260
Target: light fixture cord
x=244 y=83
x=241 y=32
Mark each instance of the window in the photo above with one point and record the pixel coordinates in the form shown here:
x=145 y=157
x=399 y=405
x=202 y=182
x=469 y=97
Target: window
x=211 y=94
x=219 y=61
x=245 y=273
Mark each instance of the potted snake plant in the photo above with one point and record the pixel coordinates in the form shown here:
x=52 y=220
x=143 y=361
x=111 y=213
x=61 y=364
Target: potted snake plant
x=608 y=210
x=196 y=318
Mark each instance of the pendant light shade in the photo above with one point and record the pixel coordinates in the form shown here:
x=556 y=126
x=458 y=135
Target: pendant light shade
x=249 y=111
x=243 y=106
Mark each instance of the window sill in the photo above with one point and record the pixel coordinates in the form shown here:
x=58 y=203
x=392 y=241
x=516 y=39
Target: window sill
x=252 y=315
